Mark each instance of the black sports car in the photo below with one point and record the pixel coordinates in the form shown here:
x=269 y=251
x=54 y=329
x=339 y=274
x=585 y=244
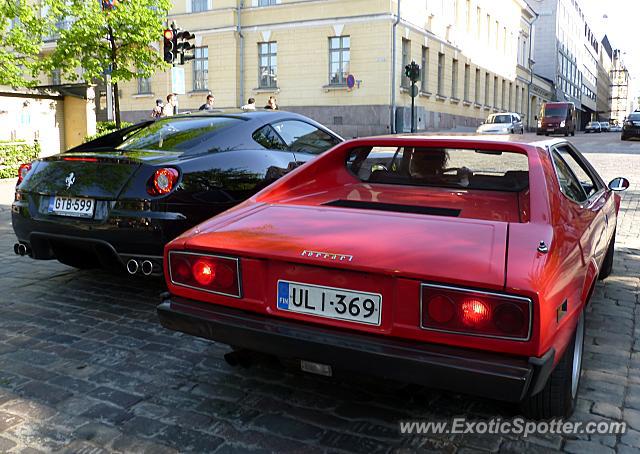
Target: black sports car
x=117 y=200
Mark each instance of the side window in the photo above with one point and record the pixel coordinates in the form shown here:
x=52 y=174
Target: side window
x=269 y=139
x=589 y=183
x=303 y=137
x=569 y=184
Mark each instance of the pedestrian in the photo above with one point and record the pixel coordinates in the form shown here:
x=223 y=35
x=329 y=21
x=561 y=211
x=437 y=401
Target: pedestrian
x=172 y=101
x=250 y=105
x=271 y=103
x=157 y=110
x=208 y=105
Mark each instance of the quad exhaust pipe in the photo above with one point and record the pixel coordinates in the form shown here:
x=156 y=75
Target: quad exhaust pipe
x=145 y=266
x=21 y=249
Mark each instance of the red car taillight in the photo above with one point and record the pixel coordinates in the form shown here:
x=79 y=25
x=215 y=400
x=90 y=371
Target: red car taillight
x=472 y=312
x=163 y=181
x=210 y=273
x=23 y=170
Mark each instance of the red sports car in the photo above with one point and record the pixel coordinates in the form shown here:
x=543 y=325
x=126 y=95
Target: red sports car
x=463 y=263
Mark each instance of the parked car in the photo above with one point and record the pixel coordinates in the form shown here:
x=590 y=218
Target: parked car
x=631 y=126
x=615 y=128
x=593 y=126
x=116 y=201
x=502 y=123
x=604 y=126
x=557 y=118
x=447 y=262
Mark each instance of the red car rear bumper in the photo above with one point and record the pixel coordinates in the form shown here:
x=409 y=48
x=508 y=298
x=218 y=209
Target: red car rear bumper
x=456 y=369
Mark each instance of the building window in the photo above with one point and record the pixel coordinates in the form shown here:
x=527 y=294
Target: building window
x=144 y=85
x=497 y=35
x=339 y=57
x=406 y=59
x=486 y=89
x=468 y=13
x=488 y=28
x=56 y=78
x=495 y=91
x=454 y=78
x=267 y=2
x=201 y=69
x=477 y=87
x=478 y=23
x=504 y=94
x=425 y=69
x=268 y=63
x=440 y=74
x=467 y=75
x=517 y=105
x=199 y=5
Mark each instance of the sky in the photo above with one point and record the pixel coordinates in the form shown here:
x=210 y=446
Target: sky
x=620 y=25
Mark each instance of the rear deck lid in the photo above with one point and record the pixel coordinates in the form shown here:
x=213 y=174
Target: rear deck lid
x=420 y=246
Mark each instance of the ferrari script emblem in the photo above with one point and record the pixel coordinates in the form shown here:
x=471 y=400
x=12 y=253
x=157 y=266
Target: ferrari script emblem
x=327 y=255
x=70 y=180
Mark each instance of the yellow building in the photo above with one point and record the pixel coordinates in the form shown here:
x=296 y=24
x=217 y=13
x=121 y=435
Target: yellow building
x=305 y=52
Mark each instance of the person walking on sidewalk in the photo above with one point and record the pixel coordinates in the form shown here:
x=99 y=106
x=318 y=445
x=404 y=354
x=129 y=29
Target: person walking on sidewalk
x=208 y=105
x=271 y=103
x=172 y=101
x=157 y=110
x=250 y=105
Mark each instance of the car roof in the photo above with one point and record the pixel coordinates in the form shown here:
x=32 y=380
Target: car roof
x=473 y=137
x=504 y=113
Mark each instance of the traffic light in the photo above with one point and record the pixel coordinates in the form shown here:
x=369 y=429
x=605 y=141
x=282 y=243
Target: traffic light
x=412 y=71
x=184 y=46
x=169 y=46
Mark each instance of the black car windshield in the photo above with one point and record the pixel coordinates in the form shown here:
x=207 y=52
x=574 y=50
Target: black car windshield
x=442 y=167
x=634 y=117
x=499 y=119
x=178 y=134
x=555 y=111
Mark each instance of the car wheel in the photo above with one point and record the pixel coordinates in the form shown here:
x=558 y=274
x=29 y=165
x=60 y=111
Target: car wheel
x=559 y=395
x=607 y=263
x=623 y=137
x=546 y=133
x=566 y=134
x=573 y=133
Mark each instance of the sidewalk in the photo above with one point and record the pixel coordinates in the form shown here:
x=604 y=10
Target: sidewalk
x=7 y=191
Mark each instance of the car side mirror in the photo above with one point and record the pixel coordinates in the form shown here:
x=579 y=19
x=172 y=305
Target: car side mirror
x=619 y=184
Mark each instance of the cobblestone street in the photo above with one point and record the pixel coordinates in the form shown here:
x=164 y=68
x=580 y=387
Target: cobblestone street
x=86 y=368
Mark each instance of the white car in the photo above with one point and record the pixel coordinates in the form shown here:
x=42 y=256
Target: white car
x=502 y=123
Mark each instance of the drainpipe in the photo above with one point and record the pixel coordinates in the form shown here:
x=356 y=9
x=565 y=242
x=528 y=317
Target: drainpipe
x=241 y=36
x=393 y=73
x=530 y=69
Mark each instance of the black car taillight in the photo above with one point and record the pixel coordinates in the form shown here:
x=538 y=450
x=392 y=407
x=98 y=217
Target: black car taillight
x=162 y=181
x=210 y=273
x=473 y=312
x=23 y=170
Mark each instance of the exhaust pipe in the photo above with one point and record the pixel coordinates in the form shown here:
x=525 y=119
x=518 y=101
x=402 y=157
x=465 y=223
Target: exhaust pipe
x=132 y=266
x=16 y=248
x=20 y=249
x=147 y=267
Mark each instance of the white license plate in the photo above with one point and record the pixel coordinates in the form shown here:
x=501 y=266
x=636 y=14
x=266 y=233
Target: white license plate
x=72 y=206
x=330 y=302
x=551 y=129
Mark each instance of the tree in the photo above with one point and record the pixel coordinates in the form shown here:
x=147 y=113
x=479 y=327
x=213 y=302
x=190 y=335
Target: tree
x=22 y=38
x=108 y=38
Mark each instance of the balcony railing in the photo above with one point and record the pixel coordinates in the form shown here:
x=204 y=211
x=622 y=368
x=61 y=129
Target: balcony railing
x=60 y=25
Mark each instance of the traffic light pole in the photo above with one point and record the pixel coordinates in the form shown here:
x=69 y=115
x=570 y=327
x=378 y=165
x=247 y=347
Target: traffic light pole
x=413 y=107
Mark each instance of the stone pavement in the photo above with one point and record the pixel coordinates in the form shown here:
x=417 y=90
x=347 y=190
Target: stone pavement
x=86 y=368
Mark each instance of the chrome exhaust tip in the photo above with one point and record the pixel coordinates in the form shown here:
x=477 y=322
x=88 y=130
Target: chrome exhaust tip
x=132 y=266
x=22 y=249
x=147 y=267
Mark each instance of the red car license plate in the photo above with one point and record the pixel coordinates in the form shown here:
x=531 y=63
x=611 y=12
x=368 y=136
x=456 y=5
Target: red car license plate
x=330 y=302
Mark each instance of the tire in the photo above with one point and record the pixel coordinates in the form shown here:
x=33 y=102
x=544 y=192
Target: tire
x=573 y=133
x=559 y=395
x=566 y=134
x=623 y=137
x=546 y=134
x=607 y=263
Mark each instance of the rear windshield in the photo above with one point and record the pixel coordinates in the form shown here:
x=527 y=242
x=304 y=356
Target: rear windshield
x=441 y=167
x=179 y=134
x=559 y=111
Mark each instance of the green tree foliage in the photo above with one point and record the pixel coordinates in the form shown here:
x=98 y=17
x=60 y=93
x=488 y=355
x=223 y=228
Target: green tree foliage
x=108 y=40
x=22 y=31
